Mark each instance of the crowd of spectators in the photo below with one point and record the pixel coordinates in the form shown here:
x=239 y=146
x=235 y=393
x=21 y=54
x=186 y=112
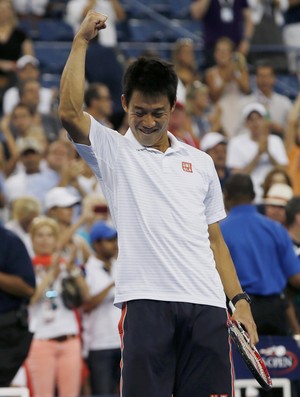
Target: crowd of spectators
x=226 y=106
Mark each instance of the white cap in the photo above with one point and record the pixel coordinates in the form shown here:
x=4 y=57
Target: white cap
x=60 y=197
x=24 y=144
x=279 y=194
x=26 y=60
x=211 y=139
x=254 y=107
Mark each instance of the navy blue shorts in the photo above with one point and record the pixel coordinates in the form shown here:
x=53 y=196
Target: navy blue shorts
x=173 y=348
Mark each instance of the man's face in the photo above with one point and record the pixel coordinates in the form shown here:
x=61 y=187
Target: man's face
x=256 y=124
x=218 y=154
x=105 y=104
x=21 y=119
x=106 y=248
x=31 y=161
x=148 y=119
x=276 y=212
x=63 y=215
x=58 y=155
x=265 y=79
x=28 y=72
x=31 y=94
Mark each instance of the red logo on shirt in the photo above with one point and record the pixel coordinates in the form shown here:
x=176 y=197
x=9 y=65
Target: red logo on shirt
x=187 y=167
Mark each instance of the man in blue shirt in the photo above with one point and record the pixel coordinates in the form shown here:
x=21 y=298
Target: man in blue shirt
x=263 y=255
x=17 y=284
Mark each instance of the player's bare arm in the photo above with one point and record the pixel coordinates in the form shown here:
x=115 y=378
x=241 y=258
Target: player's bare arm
x=72 y=86
x=230 y=280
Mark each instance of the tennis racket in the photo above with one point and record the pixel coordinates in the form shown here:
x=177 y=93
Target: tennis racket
x=250 y=355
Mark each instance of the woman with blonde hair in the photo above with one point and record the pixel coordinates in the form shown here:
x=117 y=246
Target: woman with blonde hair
x=24 y=210
x=55 y=355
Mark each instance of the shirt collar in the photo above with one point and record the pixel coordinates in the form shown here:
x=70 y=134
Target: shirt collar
x=176 y=145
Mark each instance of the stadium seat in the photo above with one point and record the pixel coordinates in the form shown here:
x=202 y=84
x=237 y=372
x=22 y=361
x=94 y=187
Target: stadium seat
x=52 y=56
x=146 y=30
x=138 y=9
x=54 y=30
x=180 y=8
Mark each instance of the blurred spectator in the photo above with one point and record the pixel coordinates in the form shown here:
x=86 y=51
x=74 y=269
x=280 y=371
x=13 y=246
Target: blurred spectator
x=62 y=166
x=96 y=204
x=276 y=199
x=292 y=210
x=99 y=103
x=13 y=44
x=224 y=18
x=2 y=180
x=29 y=92
x=65 y=169
x=31 y=180
x=17 y=283
x=101 y=317
x=184 y=60
x=10 y=151
x=27 y=68
x=55 y=355
x=278 y=106
x=29 y=8
x=24 y=210
x=88 y=182
x=291 y=34
x=59 y=205
x=277 y=174
x=179 y=126
x=20 y=121
x=215 y=144
x=256 y=151
x=293 y=222
x=109 y=73
x=203 y=117
x=77 y=9
x=228 y=81
x=292 y=145
x=263 y=255
x=268 y=19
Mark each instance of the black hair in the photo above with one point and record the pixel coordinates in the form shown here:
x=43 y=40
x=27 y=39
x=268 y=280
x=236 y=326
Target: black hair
x=152 y=77
x=292 y=208
x=239 y=186
x=92 y=92
x=264 y=63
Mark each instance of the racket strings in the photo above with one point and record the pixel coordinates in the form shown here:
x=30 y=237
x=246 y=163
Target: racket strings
x=249 y=352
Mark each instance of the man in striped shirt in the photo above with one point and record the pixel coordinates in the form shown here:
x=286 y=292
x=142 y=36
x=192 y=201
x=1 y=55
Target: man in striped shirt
x=173 y=268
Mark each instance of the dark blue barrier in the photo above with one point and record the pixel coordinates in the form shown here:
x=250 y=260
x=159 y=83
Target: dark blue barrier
x=281 y=355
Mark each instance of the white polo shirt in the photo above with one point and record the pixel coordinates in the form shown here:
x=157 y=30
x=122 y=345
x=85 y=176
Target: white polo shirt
x=161 y=204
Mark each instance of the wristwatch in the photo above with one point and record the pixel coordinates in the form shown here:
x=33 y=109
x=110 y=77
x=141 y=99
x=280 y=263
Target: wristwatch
x=240 y=296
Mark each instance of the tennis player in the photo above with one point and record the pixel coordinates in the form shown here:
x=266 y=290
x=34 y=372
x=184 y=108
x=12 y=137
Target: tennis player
x=173 y=269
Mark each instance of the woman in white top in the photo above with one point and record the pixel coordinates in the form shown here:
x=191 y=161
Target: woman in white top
x=55 y=355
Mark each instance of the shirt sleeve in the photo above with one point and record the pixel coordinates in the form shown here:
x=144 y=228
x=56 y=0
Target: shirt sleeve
x=214 y=204
x=96 y=280
x=17 y=260
x=103 y=152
